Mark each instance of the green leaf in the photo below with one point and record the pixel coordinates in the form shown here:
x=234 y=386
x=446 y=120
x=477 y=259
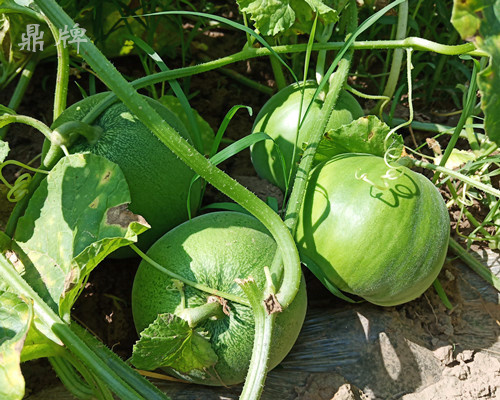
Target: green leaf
x=272 y=17
x=170 y=342
x=207 y=133
x=488 y=81
x=478 y=21
x=364 y=135
x=305 y=11
x=4 y=150
x=76 y=217
x=15 y=318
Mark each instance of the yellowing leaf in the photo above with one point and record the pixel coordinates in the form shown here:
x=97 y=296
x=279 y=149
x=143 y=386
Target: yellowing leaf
x=15 y=318
x=75 y=218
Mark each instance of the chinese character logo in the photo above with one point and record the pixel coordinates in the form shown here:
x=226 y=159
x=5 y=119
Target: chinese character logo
x=76 y=35
x=32 y=38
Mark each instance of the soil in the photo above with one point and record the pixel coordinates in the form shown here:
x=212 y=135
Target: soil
x=419 y=350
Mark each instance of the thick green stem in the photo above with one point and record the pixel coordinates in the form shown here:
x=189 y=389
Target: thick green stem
x=73 y=383
x=248 y=53
x=299 y=186
x=137 y=381
x=264 y=325
x=67 y=133
x=62 y=78
x=195 y=315
x=316 y=133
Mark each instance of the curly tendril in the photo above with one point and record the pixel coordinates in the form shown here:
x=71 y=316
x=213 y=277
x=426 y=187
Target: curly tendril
x=20 y=188
x=364 y=177
x=391 y=174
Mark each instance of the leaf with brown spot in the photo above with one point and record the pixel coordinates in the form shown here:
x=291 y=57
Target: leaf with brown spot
x=122 y=216
x=66 y=230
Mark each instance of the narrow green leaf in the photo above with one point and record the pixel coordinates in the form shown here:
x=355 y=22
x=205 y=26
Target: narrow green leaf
x=364 y=135
x=170 y=342
x=223 y=126
x=15 y=318
x=76 y=217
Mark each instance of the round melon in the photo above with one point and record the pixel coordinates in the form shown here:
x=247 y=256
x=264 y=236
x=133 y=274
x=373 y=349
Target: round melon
x=216 y=249
x=373 y=231
x=158 y=180
x=279 y=119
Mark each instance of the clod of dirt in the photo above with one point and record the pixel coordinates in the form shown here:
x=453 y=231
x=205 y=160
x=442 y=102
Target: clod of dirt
x=477 y=380
x=328 y=386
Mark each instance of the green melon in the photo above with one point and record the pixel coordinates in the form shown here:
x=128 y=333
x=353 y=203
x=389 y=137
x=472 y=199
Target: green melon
x=158 y=180
x=215 y=249
x=279 y=119
x=382 y=239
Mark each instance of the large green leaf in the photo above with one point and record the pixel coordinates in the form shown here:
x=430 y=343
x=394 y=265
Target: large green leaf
x=170 y=342
x=75 y=218
x=364 y=135
x=15 y=318
x=272 y=17
x=478 y=21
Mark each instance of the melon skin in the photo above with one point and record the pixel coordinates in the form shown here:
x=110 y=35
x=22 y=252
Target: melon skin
x=279 y=119
x=158 y=180
x=215 y=249
x=384 y=244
